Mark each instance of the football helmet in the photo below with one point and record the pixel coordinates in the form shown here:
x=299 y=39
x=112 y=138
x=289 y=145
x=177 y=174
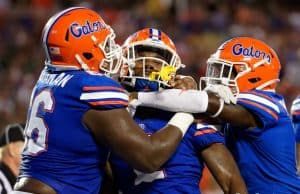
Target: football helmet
x=153 y=41
x=243 y=64
x=79 y=38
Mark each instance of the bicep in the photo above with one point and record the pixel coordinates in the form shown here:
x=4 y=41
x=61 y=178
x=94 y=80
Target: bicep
x=116 y=129
x=234 y=113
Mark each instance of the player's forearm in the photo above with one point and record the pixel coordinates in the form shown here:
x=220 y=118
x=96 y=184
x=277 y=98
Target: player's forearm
x=298 y=156
x=175 y=100
x=158 y=150
x=232 y=179
x=108 y=185
x=195 y=101
x=164 y=142
x=237 y=186
x=143 y=152
x=224 y=169
x=231 y=182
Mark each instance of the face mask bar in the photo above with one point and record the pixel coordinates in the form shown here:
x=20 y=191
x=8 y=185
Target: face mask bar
x=163 y=76
x=168 y=68
x=111 y=64
x=220 y=72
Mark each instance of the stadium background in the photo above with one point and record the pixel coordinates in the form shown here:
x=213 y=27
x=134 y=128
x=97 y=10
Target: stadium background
x=197 y=28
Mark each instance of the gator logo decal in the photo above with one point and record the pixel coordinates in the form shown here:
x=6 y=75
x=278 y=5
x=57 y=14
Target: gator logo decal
x=89 y=27
x=239 y=49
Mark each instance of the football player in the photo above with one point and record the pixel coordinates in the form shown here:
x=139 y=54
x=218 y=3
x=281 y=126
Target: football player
x=258 y=128
x=151 y=63
x=77 y=114
x=295 y=112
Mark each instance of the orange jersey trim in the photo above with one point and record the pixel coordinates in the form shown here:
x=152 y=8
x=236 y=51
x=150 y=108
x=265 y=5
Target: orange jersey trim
x=94 y=88
x=206 y=131
x=296 y=112
x=102 y=103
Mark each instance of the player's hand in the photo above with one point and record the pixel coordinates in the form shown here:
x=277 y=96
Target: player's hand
x=133 y=95
x=183 y=82
x=133 y=103
x=223 y=92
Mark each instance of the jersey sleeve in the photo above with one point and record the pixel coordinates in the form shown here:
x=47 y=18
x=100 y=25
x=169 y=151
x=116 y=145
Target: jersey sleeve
x=101 y=92
x=295 y=112
x=205 y=135
x=261 y=105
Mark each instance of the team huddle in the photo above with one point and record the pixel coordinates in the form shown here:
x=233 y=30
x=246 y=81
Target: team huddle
x=118 y=119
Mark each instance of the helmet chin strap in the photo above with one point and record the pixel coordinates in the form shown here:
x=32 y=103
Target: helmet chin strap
x=264 y=85
x=80 y=61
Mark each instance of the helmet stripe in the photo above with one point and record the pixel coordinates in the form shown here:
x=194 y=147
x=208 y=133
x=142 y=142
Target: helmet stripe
x=155 y=34
x=49 y=26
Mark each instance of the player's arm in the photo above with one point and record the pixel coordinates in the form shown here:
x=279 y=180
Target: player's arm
x=297 y=130
x=295 y=112
x=183 y=82
x=231 y=113
x=116 y=129
x=224 y=169
x=298 y=156
x=108 y=186
x=196 y=101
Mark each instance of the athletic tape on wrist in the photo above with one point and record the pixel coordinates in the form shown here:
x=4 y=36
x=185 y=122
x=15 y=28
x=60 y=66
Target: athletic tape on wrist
x=182 y=121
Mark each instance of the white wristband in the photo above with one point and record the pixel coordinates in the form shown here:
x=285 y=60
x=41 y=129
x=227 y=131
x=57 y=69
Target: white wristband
x=182 y=121
x=221 y=106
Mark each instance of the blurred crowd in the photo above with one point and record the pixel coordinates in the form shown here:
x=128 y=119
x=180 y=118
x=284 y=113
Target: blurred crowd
x=197 y=28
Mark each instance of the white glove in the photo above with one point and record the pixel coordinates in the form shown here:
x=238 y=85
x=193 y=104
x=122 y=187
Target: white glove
x=223 y=92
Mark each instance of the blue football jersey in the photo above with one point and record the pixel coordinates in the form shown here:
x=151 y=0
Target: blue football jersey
x=181 y=173
x=59 y=149
x=265 y=155
x=295 y=112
